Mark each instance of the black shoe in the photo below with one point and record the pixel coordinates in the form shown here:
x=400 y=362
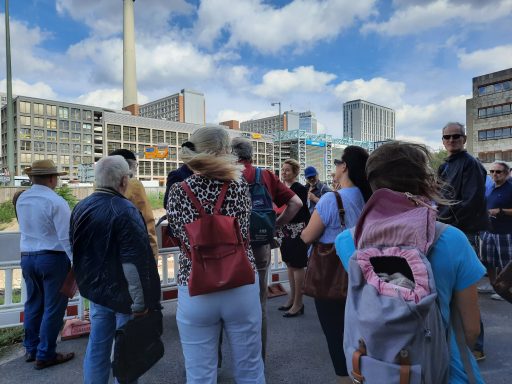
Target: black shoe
x=298 y=313
x=284 y=307
x=29 y=357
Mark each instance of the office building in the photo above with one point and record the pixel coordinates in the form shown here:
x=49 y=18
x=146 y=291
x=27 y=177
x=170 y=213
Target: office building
x=185 y=107
x=288 y=121
x=231 y=124
x=367 y=121
x=489 y=117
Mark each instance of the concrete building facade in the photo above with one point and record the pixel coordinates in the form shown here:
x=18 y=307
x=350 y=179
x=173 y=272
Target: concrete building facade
x=187 y=106
x=288 y=121
x=489 y=117
x=367 y=121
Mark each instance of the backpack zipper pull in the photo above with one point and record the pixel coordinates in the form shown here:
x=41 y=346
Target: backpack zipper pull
x=418 y=201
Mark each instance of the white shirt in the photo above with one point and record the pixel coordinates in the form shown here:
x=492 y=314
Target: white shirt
x=44 y=220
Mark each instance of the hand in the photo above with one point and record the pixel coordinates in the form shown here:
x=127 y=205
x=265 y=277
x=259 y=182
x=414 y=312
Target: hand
x=140 y=314
x=493 y=212
x=312 y=197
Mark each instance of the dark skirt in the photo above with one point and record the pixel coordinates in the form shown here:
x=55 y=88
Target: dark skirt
x=294 y=252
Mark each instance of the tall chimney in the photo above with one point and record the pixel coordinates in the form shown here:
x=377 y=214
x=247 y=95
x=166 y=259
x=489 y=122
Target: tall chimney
x=129 y=73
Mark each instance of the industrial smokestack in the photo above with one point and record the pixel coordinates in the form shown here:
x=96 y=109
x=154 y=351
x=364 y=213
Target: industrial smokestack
x=129 y=73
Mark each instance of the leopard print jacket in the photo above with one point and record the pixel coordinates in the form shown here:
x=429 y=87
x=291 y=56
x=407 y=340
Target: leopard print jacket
x=180 y=211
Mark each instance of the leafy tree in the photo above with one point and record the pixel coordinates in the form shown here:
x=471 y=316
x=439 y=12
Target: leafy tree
x=438 y=158
x=66 y=193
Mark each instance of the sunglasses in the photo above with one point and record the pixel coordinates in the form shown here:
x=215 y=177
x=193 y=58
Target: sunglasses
x=338 y=162
x=457 y=136
x=310 y=178
x=496 y=171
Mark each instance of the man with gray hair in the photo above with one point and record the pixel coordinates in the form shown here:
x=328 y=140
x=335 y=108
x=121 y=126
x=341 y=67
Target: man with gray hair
x=465 y=184
x=113 y=261
x=281 y=195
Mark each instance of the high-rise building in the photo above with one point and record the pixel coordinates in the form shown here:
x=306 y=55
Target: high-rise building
x=185 y=107
x=367 y=121
x=288 y=121
x=489 y=117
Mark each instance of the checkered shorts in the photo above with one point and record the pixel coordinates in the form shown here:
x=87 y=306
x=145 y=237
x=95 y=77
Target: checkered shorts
x=496 y=249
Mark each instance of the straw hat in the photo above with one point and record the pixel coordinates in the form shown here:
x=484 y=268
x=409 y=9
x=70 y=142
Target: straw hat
x=42 y=168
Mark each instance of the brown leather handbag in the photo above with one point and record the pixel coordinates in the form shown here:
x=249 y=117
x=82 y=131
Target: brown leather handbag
x=326 y=279
x=503 y=284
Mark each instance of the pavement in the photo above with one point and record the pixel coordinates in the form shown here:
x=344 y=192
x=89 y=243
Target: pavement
x=296 y=351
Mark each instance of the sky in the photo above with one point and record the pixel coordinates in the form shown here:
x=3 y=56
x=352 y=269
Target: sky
x=415 y=56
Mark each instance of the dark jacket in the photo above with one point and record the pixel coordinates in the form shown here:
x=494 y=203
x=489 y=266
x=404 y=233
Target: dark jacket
x=465 y=177
x=106 y=232
x=176 y=176
x=319 y=189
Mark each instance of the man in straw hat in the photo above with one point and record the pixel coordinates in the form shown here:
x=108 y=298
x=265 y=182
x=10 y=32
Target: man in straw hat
x=45 y=261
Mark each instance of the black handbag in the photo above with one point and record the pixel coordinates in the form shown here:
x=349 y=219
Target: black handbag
x=138 y=346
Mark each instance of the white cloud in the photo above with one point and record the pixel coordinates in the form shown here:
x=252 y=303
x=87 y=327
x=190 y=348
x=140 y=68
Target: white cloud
x=269 y=29
x=487 y=60
x=377 y=90
x=107 y=98
x=21 y=88
x=417 y=18
x=230 y=114
x=301 y=79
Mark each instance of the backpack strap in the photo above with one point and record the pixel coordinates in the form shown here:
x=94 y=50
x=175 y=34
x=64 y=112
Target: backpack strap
x=257 y=176
x=221 y=197
x=440 y=228
x=341 y=209
x=193 y=199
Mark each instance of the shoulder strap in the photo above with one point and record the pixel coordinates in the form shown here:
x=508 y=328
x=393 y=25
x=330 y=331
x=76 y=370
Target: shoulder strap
x=221 y=197
x=193 y=199
x=440 y=228
x=341 y=210
x=257 y=176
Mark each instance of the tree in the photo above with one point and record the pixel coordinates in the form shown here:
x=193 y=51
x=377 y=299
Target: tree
x=437 y=158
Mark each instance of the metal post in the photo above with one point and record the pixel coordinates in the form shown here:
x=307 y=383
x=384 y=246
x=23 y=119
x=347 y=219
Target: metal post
x=9 y=109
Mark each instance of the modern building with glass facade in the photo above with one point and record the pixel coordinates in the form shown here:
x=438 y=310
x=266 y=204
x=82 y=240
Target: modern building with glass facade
x=367 y=121
x=489 y=117
x=288 y=121
x=185 y=107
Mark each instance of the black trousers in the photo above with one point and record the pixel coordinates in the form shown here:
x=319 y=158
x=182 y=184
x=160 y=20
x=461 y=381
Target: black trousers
x=331 y=314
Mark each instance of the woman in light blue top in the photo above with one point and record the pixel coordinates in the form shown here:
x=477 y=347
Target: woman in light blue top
x=323 y=228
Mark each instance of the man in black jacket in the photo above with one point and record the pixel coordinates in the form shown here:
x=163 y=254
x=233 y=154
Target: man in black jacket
x=465 y=177
x=113 y=262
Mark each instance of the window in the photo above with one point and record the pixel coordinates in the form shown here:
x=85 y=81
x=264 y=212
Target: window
x=64 y=159
x=158 y=136
x=25 y=107
x=51 y=147
x=87 y=138
x=51 y=124
x=145 y=168
x=25 y=145
x=159 y=168
x=38 y=109
x=51 y=110
x=26 y=157
x=506 y=156
x=144 y=135
x=25 y=120
x=64 y=125
x=64 y=136
x=131 y=147
x=75 y=114
x=51 y=135
x=87 y=149
x=505 y=132
x=173 y=153
x=25 y=133
x=481 y=112
x=76 y=126
x=112 y=146
x=77 y=148
x=77 y=160
x=129 y=134
x=38 y=134
x=87 y=159
x=182 y=137
x=87 y=127
x=38 y=121
x=113 y=132
x=170 y=138
x=87 y=115
x=63 y=113
x=497 y=133
x=506 y=108
x=75 y=137
x=39 y=146
x=64 y=147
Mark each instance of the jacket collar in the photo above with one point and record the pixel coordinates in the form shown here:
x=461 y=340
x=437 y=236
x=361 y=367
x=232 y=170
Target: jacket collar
x=457 y=155
x=110 y=191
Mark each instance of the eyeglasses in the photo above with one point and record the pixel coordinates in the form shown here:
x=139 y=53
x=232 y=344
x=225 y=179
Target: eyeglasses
x=338 y=162
x=457 y=136
x=496 y=171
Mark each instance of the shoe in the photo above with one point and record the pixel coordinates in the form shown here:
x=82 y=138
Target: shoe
x=284 y=307
x=298 y=313
x=479 y=355
x=495 y=296
x=59 y=359
x=30 y=357
x=485 y=288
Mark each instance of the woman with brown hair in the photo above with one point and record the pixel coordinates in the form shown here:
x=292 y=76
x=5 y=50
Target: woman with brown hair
x=293 y=250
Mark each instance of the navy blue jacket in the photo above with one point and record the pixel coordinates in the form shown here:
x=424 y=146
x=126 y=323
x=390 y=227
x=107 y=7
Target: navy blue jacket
x=107 y=231
x=176 y=176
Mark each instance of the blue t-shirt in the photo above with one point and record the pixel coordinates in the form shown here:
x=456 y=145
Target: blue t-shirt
x=500 y=197
x=455 y=267
x=327 y=208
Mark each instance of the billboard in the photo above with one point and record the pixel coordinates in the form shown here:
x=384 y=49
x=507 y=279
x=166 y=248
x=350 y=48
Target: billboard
x=159 y=151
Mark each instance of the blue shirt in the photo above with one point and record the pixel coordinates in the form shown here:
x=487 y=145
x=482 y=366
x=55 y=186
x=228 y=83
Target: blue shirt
x=500 y=197
x=44 y=220
x=455 y=267
x=327 y=209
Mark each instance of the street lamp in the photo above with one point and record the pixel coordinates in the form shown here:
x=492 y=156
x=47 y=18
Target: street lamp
x=273 y=105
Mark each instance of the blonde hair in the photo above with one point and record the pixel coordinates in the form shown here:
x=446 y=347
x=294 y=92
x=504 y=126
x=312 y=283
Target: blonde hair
x=207 y=153
x=294 y=164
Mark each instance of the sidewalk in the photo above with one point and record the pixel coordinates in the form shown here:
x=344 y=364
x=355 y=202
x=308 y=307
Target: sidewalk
x=297 y=352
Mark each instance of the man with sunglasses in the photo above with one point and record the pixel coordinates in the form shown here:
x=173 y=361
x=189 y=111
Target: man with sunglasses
x=465 y=185
x=316 y=188
x=497 y=241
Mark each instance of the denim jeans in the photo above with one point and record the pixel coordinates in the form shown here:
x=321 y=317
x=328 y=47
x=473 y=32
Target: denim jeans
x=104 y=323
x=44 y=275
x=199 y=322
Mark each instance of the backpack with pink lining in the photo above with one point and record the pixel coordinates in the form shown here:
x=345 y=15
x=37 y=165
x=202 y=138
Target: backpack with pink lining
x=394 y=332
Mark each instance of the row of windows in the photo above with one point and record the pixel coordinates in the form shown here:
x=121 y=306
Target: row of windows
x=61 y=159
x=52 y=123
x=41 y=146
x=145 y=135
x=490 y=157
x=51 y=110
x=493 y=134
x=494 y=88
x=40 y=134
x=496 y=110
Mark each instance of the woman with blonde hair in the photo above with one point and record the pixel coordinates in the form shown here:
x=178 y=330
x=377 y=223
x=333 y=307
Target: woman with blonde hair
x=201 y=316
x=293 y=250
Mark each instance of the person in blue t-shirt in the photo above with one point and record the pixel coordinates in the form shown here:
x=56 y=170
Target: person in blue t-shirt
x=403 y=167
x=497 y=241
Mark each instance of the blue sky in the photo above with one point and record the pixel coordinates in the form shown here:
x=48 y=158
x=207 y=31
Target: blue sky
x=416 y=56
